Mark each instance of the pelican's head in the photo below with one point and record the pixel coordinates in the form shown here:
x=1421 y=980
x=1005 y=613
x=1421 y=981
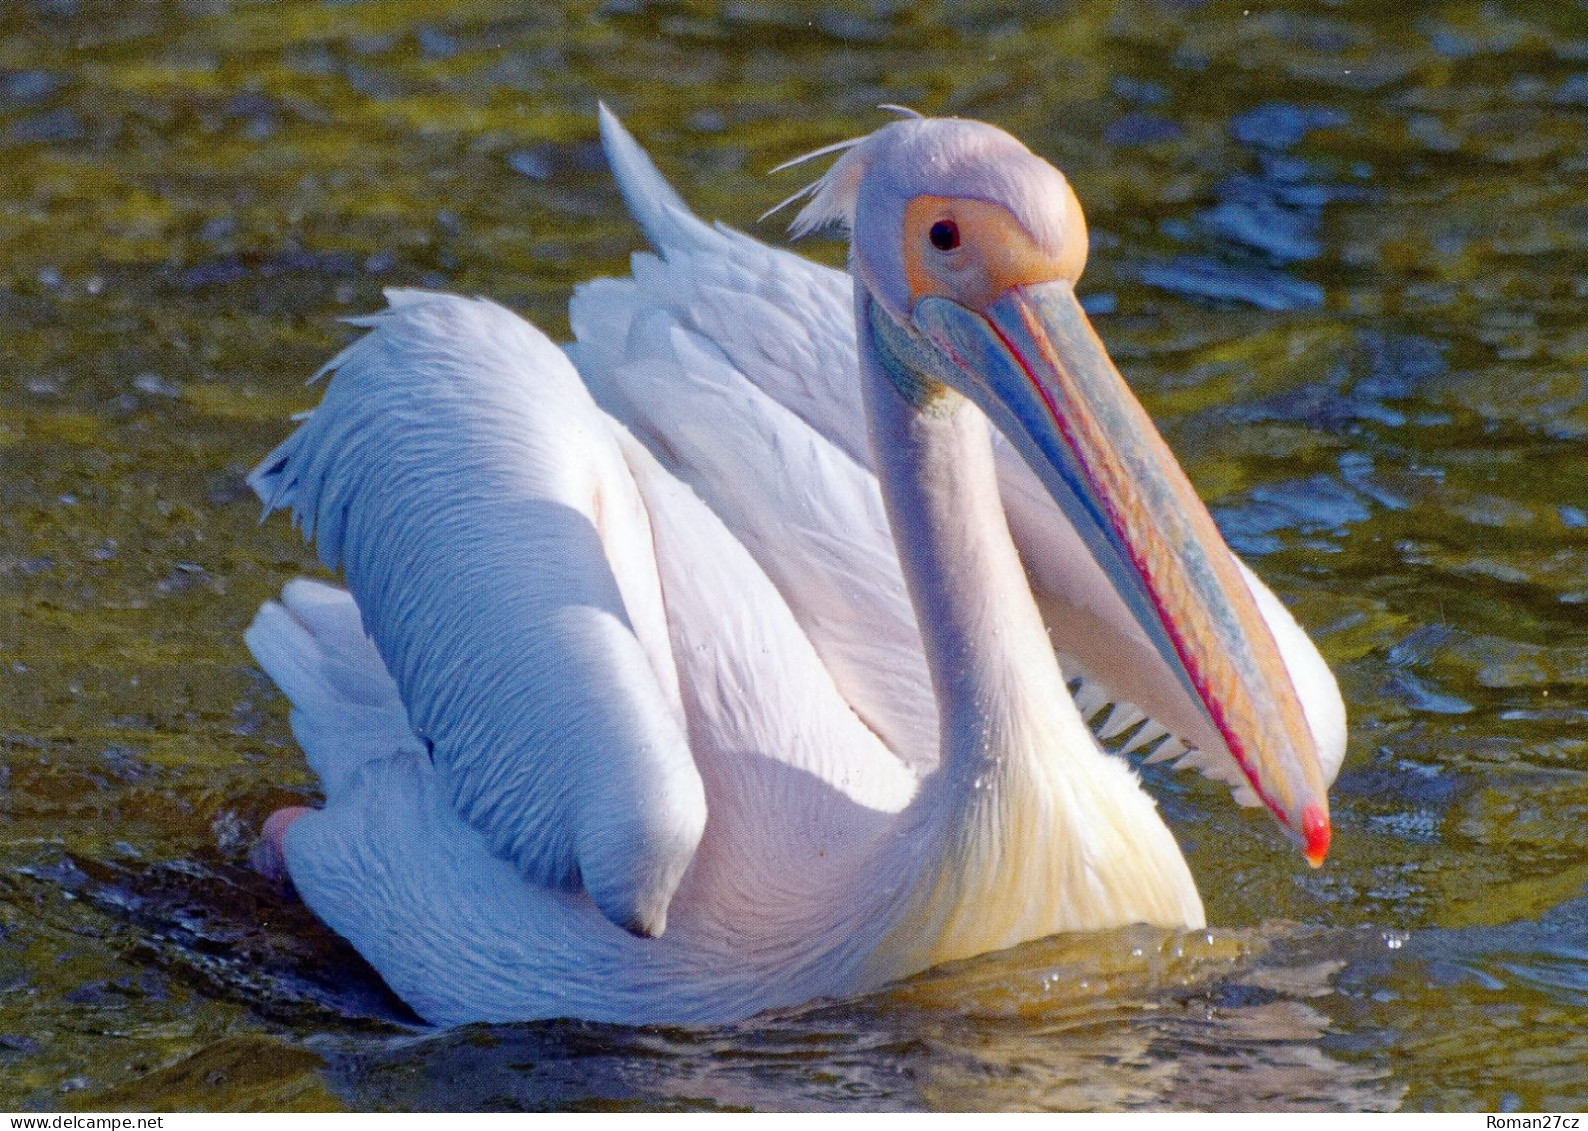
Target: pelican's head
x=966 y=248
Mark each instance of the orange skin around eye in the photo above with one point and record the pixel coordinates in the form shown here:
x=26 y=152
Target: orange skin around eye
x=995 y=251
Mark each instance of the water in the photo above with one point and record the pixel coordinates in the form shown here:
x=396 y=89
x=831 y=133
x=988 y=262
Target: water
x=1338 y=248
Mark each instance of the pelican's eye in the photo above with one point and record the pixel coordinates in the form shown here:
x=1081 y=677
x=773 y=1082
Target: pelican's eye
x=944 y=235
x=973 y=251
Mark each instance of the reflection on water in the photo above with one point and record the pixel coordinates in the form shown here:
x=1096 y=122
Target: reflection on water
x=1338 y=249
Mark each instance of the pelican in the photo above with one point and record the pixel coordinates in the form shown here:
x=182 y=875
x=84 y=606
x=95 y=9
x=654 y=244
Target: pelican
x=724 y=659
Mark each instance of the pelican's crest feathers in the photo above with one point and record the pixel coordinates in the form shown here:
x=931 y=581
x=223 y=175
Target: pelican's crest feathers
x=833 y=193
x=821 y=209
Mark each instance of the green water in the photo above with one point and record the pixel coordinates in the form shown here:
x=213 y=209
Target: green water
x=1341 y=250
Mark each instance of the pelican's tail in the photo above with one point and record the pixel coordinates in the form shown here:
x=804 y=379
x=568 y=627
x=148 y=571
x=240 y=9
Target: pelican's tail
x=346 y=710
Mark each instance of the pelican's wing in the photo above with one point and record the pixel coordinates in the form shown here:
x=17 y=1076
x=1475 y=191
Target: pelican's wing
x=494 y=539
x=808 y=511
x=783 y=327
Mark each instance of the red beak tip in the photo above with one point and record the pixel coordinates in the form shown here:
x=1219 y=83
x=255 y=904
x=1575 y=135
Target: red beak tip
x=1315 y=833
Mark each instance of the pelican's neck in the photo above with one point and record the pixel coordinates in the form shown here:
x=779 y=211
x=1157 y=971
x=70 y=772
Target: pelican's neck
x=993 y=669
x=1027 y=827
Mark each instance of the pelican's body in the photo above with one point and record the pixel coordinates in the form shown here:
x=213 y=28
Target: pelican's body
x=710 y=665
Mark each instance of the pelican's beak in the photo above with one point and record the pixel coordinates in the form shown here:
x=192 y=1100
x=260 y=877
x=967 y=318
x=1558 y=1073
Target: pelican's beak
x=1033 y=363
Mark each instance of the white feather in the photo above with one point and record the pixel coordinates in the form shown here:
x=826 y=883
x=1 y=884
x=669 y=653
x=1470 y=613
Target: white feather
x=346 y=708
